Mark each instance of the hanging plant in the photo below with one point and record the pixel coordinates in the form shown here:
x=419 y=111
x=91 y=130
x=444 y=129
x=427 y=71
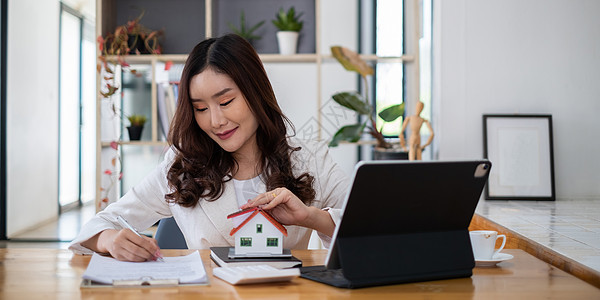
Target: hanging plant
x=131 y=38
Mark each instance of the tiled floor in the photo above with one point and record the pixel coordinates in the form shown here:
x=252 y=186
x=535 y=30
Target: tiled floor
x=55 y=234
x=571 y=228
x=59 y=233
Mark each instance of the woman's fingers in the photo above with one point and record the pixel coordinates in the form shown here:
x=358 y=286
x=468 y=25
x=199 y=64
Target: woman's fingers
x=263 y=199
x=282 y=204
x=125 y=254
x=131 y=247
x=277 y=199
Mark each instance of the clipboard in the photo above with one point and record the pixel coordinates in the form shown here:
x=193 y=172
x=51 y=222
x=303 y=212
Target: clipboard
x=144 y=282
x=187 y=270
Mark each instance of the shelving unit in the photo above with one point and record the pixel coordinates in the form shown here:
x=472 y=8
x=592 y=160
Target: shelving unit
x=107 y=19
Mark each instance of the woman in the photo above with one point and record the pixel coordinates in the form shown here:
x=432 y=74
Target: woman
x=229 y=151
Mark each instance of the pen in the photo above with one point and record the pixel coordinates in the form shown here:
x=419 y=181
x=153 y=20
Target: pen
x=125 y=224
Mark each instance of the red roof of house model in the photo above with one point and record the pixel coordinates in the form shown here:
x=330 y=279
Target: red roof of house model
x=256 y=211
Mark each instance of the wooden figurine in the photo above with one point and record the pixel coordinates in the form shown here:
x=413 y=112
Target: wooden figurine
x=256 y=232
x=415 y=149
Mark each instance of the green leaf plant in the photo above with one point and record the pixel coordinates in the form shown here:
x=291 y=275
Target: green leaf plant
x=354 y=101
x=137 y=120
x=288 y=21
x=244 y=31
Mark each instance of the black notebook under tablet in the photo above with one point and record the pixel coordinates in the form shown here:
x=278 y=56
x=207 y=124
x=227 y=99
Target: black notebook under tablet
x=220 y=255
x=405 y=221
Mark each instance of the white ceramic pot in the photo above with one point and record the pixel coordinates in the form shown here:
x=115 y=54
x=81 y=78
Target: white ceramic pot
x=288 y=41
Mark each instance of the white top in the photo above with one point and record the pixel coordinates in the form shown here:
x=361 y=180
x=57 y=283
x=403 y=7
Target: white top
x=246 y=189
x=206 y=225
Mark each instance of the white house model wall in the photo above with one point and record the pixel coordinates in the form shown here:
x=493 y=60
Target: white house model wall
x=256 y=234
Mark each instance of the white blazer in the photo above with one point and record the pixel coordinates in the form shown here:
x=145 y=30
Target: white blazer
x=206 y=225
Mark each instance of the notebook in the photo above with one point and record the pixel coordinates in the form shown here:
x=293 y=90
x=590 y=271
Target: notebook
x=404 y=221
x=220 y=255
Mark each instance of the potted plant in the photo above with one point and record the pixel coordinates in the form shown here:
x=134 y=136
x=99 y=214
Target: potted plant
x=289 y=26
x=244 y=31
x=130 y=38
x=136 y=125
x=353 y=100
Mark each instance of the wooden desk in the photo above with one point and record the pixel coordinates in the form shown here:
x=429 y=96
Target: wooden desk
x=56 y=274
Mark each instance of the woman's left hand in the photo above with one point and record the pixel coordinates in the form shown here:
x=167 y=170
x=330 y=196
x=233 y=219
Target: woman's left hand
x=283 y=205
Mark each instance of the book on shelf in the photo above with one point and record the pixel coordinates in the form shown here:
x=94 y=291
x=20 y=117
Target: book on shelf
x=220 y=255
x=166 y=99
x=163 y=117
x=171 y=101
x=175 y=85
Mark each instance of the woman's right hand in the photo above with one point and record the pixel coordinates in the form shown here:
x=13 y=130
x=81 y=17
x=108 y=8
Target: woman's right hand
x=125 y=245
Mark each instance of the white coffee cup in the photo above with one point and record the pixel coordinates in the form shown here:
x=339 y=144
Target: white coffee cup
x=484 y=243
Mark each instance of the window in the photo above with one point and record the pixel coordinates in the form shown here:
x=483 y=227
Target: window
x=246 y=242
x=389 y=76
x=390 y=28
x=69 y=112
x=258 y=228
x=425 y=62
x=272 y=242
x=77 y=109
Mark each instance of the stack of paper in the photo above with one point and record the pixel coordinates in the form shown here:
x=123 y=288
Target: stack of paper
x=181 y=270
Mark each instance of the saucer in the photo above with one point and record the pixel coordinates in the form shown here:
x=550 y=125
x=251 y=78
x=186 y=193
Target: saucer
x=500 y=257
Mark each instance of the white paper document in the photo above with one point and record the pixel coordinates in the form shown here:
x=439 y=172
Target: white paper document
x=186 y=269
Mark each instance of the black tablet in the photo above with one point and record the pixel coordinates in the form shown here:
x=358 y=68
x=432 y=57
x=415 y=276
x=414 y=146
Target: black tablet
x=407 y=221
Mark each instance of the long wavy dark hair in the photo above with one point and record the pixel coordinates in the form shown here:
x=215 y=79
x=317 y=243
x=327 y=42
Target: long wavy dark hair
x=201 y=166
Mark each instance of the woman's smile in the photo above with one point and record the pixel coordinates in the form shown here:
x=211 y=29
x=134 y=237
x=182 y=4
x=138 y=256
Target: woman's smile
x=227 y=134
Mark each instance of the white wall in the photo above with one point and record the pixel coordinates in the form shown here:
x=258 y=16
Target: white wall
x=339 y=27
x=32 y=113
x=515 y=56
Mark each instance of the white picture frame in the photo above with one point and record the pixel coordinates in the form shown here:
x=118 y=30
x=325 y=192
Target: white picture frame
x=520 y=148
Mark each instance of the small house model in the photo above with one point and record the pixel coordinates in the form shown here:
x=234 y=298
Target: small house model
x=257 y=232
